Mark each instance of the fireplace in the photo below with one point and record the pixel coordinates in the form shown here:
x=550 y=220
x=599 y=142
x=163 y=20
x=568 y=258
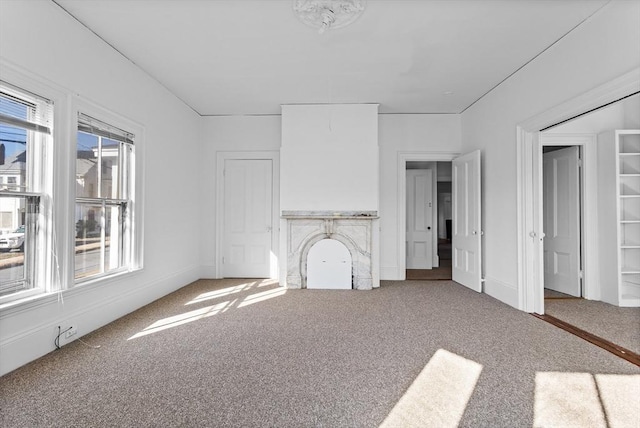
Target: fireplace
x=329 y=189
x=354 y=229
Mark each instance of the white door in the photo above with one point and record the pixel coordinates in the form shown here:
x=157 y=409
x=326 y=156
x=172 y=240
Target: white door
x=466 y=224
x=419 y=219
x=561 y=220
x=247 y=218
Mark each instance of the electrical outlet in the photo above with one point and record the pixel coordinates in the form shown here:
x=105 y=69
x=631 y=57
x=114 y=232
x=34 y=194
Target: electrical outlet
x=65 y=333
x=71 y=331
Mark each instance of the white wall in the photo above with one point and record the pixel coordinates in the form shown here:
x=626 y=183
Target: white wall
x=329 y=157
x=604 y=47
x=41 y=39
x=426 y=134
x=403 y=133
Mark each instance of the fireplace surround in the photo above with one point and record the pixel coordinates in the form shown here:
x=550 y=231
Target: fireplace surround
x=353 y=228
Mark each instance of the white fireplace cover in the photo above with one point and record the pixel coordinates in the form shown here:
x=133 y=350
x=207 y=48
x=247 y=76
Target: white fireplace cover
x=329 y=266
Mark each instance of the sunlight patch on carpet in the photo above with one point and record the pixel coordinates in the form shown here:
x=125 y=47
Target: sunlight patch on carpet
x=182 y=319
x=267 y=282
x=620 y=396
x=567 y=399
x=439 y=395
x=262 y=296
x=221 y=293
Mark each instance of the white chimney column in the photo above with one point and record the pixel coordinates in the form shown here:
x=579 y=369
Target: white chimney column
x=329 y=174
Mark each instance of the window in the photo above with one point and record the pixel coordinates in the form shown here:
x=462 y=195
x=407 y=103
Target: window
x=68 y=210
x=25 y=130
x=103 y=213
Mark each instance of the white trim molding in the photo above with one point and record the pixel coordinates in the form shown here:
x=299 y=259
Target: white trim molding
x=500 y=290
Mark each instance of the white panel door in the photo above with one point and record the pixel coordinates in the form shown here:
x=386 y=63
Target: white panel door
x=247 y=218
x=419 y=219
x=466 y=224
x=561 y=220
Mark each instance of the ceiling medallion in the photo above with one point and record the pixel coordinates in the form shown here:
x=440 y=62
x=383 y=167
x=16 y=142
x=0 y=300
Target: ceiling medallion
x=325 y=14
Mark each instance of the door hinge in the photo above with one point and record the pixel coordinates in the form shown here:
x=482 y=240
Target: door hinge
x=581 y=274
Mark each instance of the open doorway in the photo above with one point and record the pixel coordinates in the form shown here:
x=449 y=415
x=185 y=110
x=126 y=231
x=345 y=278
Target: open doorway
x=587 y=307
x=428 y=220
x=562 y=208
x=466 y=208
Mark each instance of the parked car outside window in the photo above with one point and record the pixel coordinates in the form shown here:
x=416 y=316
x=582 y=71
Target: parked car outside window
x=13 y=240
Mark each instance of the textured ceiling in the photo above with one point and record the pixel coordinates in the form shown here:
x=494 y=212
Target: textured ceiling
x=226 y=57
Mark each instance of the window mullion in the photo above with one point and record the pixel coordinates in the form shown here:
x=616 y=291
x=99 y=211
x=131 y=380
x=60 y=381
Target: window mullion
x=103 y=235
x=99 y=167
x=31 y=234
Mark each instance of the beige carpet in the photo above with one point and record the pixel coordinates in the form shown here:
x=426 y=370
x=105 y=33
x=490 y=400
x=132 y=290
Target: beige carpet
x=234 y=353
x=617 y=325
x=552 y=294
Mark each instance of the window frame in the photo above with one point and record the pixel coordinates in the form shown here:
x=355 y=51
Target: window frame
x=37 y=196
x=132 y=255
x=55 y=270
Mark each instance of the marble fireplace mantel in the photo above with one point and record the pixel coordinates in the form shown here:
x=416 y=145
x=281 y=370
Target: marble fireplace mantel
x=353 y=228
x=329 y=214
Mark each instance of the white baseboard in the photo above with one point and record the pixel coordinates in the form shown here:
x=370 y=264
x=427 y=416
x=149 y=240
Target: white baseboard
x=208 y=272
x=87 y=310
x=391 y=273
x=502 y=291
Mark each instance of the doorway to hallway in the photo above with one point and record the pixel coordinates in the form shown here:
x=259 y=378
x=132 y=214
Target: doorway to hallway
x=466 y=218
x=428 y=217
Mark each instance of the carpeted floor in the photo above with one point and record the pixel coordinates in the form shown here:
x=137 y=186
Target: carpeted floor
x=234 y=353
x=443 y=272
x=617 y=325
x=552 y=294
x=439 y=273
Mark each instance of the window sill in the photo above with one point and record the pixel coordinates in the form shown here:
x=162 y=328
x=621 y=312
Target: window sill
x=21 y=297
x=41 y=298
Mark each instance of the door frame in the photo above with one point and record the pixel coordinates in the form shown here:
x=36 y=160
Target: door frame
x=588 y=194
x=274 y=157
x=529 y=181
x=403 y=158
